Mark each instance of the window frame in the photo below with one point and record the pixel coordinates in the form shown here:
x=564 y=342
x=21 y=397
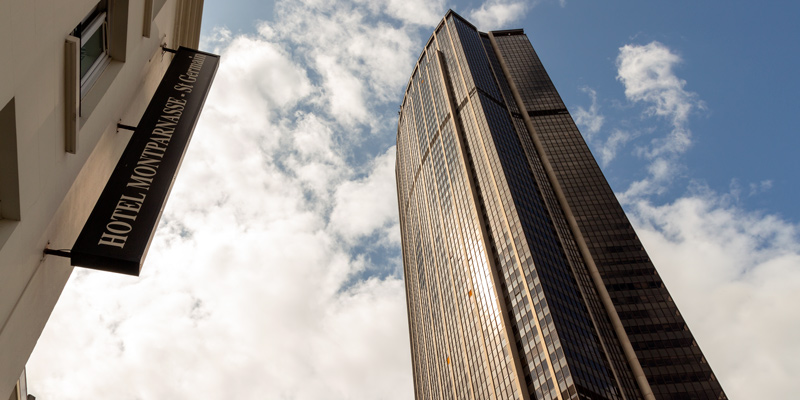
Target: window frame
x=83 y=92
x=99 y=22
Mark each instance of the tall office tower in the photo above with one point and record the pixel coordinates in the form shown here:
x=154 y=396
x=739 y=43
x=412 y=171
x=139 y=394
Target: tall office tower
x=524 y=278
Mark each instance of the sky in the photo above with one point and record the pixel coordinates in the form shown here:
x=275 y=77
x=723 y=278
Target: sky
x=276 y=270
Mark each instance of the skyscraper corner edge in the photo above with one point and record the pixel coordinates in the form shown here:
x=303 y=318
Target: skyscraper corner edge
x=491 y=203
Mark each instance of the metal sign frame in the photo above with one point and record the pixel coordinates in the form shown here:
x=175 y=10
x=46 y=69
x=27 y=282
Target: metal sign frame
x=122 y=224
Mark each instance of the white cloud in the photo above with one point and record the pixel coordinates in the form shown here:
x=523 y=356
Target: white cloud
x=761 y=187
x=317 y=161
x=735 y=276
x=361 y=60
x=245 y=314
x=277 y=82
x=343 y=91
x=498 y=14
x=364 y=206
x=589 y=120
x=608 y=149
x=220 y=36
x=414 y=12
x=646 y=72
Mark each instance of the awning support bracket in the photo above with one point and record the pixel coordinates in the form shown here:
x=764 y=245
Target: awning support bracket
x=59 y=253
x=126 y=127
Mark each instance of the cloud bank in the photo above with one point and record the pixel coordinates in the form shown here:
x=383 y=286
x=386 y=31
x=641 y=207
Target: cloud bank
x=498 y=14
x=733 y=272
x=734 y=275
x=647 y=74
x=255 y=285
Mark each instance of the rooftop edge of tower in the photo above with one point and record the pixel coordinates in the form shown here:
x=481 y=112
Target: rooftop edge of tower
x=449 y=13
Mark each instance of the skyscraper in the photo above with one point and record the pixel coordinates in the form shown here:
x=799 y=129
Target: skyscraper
x=524 y=278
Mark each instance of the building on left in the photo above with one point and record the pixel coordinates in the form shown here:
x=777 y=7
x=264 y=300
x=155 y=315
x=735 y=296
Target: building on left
x=70 y=71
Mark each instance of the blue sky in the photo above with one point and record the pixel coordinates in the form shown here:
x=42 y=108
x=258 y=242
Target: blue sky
x=276 y=272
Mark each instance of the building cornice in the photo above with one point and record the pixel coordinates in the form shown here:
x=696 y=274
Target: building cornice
x=188 y=17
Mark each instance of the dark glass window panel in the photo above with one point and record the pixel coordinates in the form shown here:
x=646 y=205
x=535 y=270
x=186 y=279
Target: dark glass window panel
x=92 y=51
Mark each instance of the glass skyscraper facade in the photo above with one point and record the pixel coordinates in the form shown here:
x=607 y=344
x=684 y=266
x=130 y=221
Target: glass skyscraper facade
x=524 y=278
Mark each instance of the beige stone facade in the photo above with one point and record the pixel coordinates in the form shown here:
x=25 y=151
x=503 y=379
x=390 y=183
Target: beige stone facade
x=58 y=145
